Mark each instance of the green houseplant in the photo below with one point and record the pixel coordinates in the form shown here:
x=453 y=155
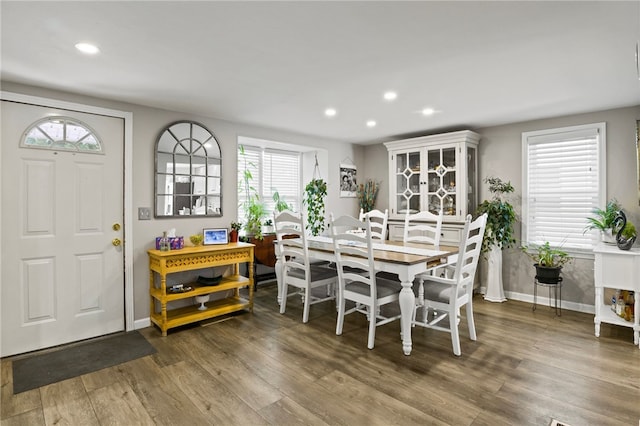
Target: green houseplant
x=235 y=228
x=603 y=220
x=548 y=261
x=254 y=209
x=314 y=194
x=498 y=234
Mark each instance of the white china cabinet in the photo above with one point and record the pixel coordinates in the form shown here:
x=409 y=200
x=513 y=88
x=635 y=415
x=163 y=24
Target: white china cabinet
x=435 y=173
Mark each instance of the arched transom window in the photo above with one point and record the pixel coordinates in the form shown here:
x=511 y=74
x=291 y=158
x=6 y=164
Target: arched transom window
x=62 y=133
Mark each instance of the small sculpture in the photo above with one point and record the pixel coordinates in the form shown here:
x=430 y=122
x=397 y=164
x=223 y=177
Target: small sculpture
x=626 y=233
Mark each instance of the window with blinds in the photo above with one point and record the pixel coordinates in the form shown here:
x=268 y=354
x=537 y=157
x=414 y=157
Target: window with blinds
x=271 y=170
x=563 y=180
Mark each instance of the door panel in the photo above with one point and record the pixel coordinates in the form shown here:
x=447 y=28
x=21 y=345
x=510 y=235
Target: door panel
x=62 y=278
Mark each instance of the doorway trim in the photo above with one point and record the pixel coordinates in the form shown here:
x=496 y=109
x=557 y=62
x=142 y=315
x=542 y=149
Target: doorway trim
x=127 y=117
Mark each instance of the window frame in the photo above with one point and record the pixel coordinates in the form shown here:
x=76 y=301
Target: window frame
x=266 y=194
x=558 y=135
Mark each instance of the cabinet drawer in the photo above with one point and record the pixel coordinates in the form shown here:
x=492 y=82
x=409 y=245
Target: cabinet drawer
x=450 y=235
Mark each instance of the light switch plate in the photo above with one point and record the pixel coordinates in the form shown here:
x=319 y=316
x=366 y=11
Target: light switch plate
x=144 y=213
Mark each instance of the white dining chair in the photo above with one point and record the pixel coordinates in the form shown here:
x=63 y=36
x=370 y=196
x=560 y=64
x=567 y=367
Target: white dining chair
x=379 y=221
x=446 y=296
x=423 y=228
x=357 y=281
x=295 y=267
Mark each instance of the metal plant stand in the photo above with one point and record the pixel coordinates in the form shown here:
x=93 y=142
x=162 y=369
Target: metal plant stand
x=557 y=294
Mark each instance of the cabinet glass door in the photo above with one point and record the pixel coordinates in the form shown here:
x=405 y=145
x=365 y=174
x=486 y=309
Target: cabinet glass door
x=441 y=181
x=472 y=185
x=407 y=191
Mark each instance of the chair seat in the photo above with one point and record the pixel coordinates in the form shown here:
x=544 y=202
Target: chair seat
x=439 y=292
x=385 y=288
x=318 y=273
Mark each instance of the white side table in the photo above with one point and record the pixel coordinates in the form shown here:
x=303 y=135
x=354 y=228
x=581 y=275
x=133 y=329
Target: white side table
x=619 y=269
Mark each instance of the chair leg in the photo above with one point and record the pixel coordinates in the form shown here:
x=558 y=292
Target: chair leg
x=470 y=321
x=340 y=321
x=372 y=329
x=307 y=299
x=455 y=336
x=283 y=302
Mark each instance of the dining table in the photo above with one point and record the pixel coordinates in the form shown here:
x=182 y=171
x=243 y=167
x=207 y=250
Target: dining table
x=407 y=260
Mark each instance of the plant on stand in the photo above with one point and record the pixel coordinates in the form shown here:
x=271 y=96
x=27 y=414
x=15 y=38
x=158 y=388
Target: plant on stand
x=501 y=217
x=367 y=193
x=548 y=261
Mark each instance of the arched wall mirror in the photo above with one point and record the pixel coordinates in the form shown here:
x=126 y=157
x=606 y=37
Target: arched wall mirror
x=188 y=172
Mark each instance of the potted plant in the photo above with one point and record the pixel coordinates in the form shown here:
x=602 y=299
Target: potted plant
x=314 y=194
x=367 y=193
x=603 y=220
x=498 y=234
x=254 y=208
x=267 y=228
x=548 y=261
x=235 y=228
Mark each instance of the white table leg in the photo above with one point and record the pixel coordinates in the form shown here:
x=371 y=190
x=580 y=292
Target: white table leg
x=407 y=301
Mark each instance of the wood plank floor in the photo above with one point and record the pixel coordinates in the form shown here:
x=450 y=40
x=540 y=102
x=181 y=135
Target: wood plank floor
x=526 y=368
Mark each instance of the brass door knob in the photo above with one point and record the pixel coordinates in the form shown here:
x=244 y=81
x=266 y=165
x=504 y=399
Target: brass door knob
x=116 y=227
x=116 y=242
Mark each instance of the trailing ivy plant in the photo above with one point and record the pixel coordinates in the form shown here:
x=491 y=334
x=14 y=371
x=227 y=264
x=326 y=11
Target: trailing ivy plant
x=501 y=216
x=314 y=194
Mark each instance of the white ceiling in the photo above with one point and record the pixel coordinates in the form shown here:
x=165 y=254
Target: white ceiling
x=280 y=64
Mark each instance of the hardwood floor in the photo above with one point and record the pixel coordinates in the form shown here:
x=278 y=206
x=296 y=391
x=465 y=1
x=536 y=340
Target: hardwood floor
x=526 y=368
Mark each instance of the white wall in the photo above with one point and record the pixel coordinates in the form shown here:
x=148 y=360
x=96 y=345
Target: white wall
x=147 y=125
x=499 y=154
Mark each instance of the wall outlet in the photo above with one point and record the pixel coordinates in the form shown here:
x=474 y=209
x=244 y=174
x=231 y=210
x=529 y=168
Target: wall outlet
x=144 y=213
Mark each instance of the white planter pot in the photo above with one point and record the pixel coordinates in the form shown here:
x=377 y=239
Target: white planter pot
x=608 y=237
x=495 y=290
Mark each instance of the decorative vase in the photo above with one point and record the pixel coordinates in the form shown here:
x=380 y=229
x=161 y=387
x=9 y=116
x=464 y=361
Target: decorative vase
x=495 y=289
x=233 y=236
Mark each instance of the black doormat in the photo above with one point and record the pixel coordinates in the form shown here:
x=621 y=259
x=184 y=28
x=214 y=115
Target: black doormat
x=78 y=359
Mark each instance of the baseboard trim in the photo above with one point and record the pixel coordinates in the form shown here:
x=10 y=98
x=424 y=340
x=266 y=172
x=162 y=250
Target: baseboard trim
x=141 y=323
x=528 y=298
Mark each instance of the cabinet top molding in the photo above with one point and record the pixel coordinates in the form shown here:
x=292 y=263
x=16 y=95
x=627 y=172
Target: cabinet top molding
x=460 y=136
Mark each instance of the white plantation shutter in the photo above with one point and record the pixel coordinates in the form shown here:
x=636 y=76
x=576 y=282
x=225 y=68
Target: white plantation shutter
x=563 y=180
x=272 y=170
x=281 y=173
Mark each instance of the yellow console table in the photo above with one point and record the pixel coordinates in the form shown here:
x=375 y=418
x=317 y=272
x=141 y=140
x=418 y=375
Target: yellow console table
x=193 y=258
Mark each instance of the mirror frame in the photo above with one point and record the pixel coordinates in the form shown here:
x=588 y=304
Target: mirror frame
x=199 y=174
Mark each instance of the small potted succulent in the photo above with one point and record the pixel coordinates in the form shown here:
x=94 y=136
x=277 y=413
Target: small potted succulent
x=625 y=231
x=235 y=228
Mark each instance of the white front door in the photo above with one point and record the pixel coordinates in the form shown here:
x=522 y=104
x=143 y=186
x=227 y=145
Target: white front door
x=62 y=217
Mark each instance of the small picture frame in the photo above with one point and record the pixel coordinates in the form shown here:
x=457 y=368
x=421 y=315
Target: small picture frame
x=215 y=236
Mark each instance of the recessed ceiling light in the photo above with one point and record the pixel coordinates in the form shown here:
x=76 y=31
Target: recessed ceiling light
x=87 y=48
x=330 y=112
x=428 y=111
x=371 y=123
x=390 y=96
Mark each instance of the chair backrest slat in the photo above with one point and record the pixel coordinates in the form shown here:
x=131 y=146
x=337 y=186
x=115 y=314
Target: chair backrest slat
x=469 y=249
x=423 y=227
x=354 y=252
x=378 y=221
x=292 y=240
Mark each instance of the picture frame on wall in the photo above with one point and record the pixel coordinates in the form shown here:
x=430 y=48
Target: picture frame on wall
x=215 y=236
x=348 y=181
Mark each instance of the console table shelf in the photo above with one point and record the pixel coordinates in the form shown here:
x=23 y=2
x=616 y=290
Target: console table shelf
x=619 y=269
x=162 y=263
